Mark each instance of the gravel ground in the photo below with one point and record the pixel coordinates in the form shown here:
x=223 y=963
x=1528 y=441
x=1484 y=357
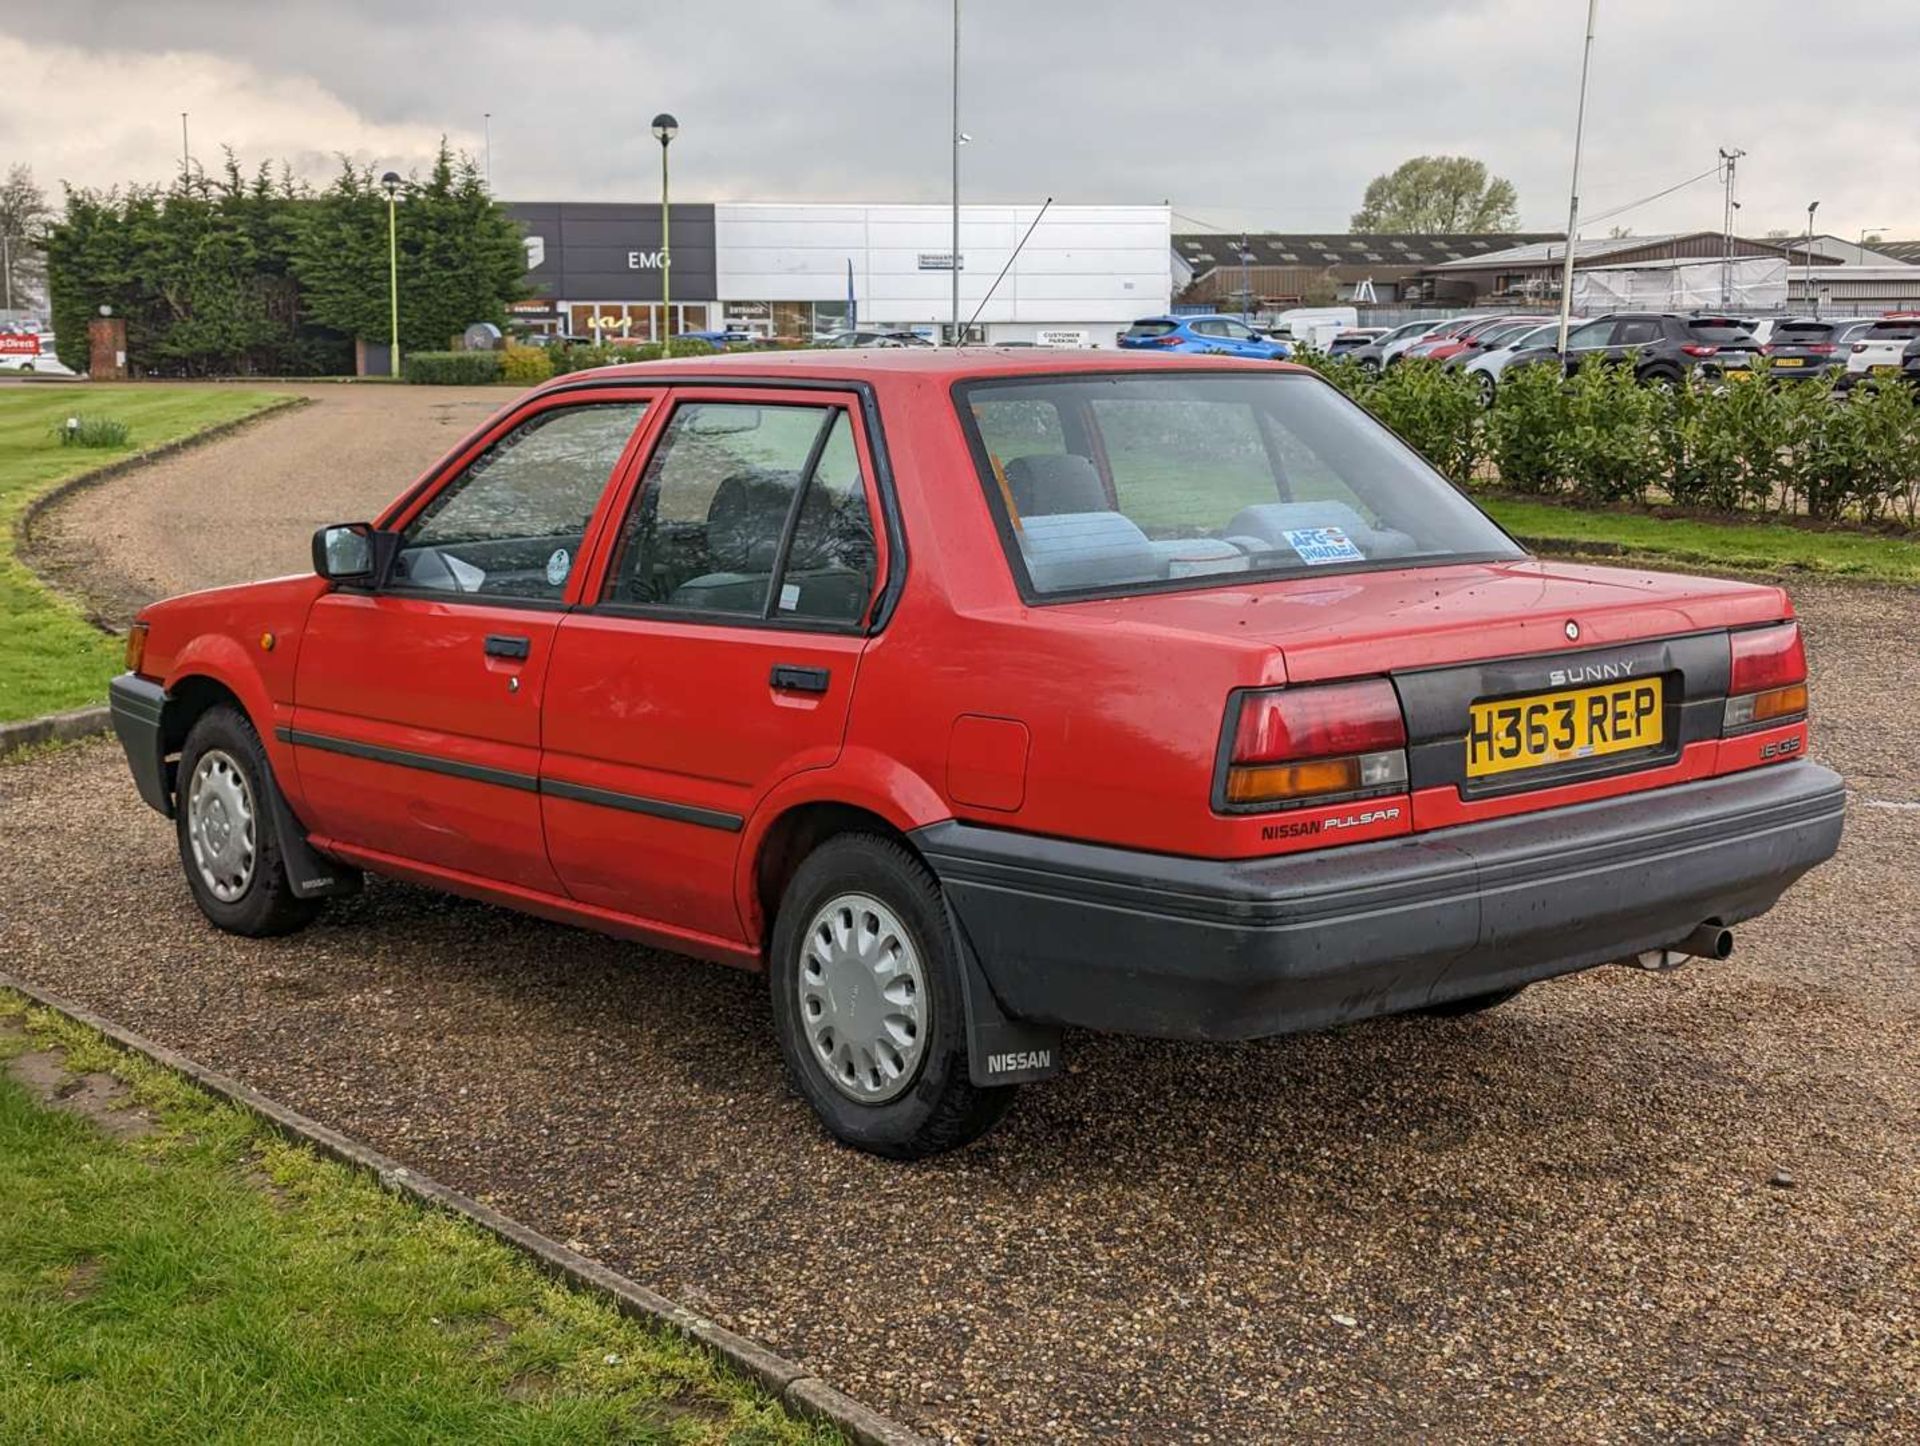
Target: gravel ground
x=246 y=506
x=1622 y=1206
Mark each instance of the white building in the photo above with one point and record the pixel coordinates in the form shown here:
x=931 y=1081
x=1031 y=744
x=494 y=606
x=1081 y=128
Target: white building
x=786 y=270
x=1084 y=274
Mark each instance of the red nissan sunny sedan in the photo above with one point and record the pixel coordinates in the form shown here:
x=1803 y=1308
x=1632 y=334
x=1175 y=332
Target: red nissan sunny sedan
x=973 y=695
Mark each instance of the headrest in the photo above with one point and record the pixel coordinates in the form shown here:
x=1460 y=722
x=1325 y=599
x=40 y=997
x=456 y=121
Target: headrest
x=1055 y=482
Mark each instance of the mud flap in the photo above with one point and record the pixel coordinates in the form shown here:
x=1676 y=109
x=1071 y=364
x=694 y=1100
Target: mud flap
x=312 y=876
x=1000 y=1051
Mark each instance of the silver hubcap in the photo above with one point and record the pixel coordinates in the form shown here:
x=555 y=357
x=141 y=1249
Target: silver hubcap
x=220 y=825
x=863 y=998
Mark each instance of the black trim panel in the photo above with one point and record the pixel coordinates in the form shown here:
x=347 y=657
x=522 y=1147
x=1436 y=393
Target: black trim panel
x=507 y=778
x=633 y=803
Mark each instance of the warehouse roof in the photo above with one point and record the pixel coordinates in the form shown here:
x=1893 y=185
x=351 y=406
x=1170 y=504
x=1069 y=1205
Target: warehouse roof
x=1204 y=250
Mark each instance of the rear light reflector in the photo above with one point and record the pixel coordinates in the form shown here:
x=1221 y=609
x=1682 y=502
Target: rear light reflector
x=1694 y=349
x=1316 y=745
x=136 y=647
x=1768 y=681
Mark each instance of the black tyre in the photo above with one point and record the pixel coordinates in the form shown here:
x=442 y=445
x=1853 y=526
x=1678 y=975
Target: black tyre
x=867 y=1005
x=229 y=847
x=1475 y=1004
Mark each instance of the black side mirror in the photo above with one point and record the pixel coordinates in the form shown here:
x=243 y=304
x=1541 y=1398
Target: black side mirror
x=351 y=552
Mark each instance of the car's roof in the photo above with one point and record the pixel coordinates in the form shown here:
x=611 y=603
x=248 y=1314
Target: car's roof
x=937 y=362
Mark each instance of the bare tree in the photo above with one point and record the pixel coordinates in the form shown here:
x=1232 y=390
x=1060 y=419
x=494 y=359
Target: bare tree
x=24 y=215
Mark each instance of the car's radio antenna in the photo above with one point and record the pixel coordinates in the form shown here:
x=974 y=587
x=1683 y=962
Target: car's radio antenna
x=1004 y=269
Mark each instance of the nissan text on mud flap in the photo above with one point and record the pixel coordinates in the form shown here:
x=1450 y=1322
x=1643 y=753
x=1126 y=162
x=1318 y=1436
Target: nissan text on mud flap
x=975 y=694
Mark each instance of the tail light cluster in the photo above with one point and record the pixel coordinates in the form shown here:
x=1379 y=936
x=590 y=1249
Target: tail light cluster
x=1768 y=685
x=1292 y=746
x=1697 y=349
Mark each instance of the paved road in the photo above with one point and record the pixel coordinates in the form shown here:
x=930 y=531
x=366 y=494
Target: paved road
x=1554 y=1221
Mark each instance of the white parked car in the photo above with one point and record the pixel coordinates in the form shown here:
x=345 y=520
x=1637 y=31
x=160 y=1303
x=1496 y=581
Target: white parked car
x=1528 y=345
x=1877 y=351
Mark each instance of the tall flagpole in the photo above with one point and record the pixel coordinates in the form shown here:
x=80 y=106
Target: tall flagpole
x=1573 y=199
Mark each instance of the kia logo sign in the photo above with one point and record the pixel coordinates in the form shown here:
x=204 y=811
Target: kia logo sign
x=647 y=260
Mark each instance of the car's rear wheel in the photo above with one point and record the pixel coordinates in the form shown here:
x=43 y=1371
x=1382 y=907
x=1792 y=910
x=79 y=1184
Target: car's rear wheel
x=1485 y=382
x=866 y=1001
x=229 y=845
x=1474 y=1004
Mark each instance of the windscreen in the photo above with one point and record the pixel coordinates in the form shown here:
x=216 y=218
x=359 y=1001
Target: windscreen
x=1719 y=330
x=1801 y=333
x=1150 y=328
x=1893 y=330
x=1179 y=479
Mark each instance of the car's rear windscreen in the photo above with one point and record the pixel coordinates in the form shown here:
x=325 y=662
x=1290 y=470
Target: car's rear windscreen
x=1151 y=328
x=1902 y=330
x=1719 y=331
x=1802 y=333
x=1141 y=481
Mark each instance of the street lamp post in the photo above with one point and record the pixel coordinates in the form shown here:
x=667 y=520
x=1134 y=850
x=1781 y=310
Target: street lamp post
x=390 y=183
x=1813 y=300
x=665 y=128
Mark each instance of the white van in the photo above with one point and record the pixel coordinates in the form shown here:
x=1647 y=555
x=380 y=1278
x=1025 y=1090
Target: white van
x=1313 y=326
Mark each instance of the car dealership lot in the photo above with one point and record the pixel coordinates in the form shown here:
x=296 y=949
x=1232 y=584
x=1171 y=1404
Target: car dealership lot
x=1558 y=1218
x=1555 y=1217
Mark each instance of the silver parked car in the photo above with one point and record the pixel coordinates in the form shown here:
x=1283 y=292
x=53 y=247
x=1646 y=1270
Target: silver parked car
x=1527 y=345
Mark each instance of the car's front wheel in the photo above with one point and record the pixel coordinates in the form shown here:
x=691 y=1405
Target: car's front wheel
x=229 y=845
x=867 y=1004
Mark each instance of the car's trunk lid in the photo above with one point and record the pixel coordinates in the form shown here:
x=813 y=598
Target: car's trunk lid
x=1356 y=624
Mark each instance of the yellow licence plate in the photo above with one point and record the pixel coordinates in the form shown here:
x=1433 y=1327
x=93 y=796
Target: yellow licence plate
x=1552 y=728
x=1885 y=369
x=1789 y=361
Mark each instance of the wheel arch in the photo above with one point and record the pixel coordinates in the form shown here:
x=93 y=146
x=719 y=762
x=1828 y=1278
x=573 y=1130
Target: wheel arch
x=862 y=793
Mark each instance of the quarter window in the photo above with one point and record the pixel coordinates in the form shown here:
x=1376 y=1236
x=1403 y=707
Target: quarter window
x=511 y=525
x=751 y=511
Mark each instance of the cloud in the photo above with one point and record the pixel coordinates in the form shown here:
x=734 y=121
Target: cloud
x=93 y=119
x=1265 y=112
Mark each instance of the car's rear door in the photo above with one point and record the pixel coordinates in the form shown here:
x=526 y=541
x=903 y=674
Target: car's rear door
x=416 y=726
x=716 y=652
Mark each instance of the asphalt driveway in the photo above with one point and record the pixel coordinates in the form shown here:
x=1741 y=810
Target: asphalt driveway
x=1622 y=1206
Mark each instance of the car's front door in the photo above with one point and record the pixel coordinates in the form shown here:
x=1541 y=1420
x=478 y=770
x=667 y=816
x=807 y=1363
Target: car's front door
x=416 y=726
x=717 y=654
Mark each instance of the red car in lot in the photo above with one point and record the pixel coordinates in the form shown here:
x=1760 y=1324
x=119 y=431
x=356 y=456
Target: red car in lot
x=973 y=695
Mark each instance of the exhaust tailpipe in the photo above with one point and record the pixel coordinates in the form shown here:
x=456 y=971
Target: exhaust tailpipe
x=1707 y=941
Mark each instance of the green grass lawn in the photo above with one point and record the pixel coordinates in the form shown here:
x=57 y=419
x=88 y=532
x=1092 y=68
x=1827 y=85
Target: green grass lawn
x=212 y=1282
x=51 y=658
x=1688 y=542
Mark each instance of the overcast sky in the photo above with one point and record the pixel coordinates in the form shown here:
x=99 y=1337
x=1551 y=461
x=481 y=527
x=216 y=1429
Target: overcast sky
x=1271 y=113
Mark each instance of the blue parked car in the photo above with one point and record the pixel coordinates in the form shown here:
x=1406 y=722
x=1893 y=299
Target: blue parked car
x=723 y=340
x=1221 y=335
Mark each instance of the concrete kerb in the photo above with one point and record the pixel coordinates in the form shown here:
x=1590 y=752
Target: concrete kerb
x=788 y=1381
x=53 y=728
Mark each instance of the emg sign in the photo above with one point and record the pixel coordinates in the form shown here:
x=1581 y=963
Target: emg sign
x=646 y=260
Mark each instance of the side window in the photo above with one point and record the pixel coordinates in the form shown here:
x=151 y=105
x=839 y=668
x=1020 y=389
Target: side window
x=1636 y=333
x=1209 y=328
x=829 y=569
x=715 y=521
x=1594 y=333
x=511 y=525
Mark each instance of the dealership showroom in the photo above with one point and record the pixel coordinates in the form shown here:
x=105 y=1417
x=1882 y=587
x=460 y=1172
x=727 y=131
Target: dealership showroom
x=790 y=271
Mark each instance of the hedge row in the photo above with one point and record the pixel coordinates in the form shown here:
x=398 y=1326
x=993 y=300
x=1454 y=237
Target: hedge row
x=528 y=365
x=1764 y=445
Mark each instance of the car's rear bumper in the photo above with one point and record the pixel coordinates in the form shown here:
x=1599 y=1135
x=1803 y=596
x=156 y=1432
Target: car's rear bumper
x=1135 y=943
x=135 y=704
